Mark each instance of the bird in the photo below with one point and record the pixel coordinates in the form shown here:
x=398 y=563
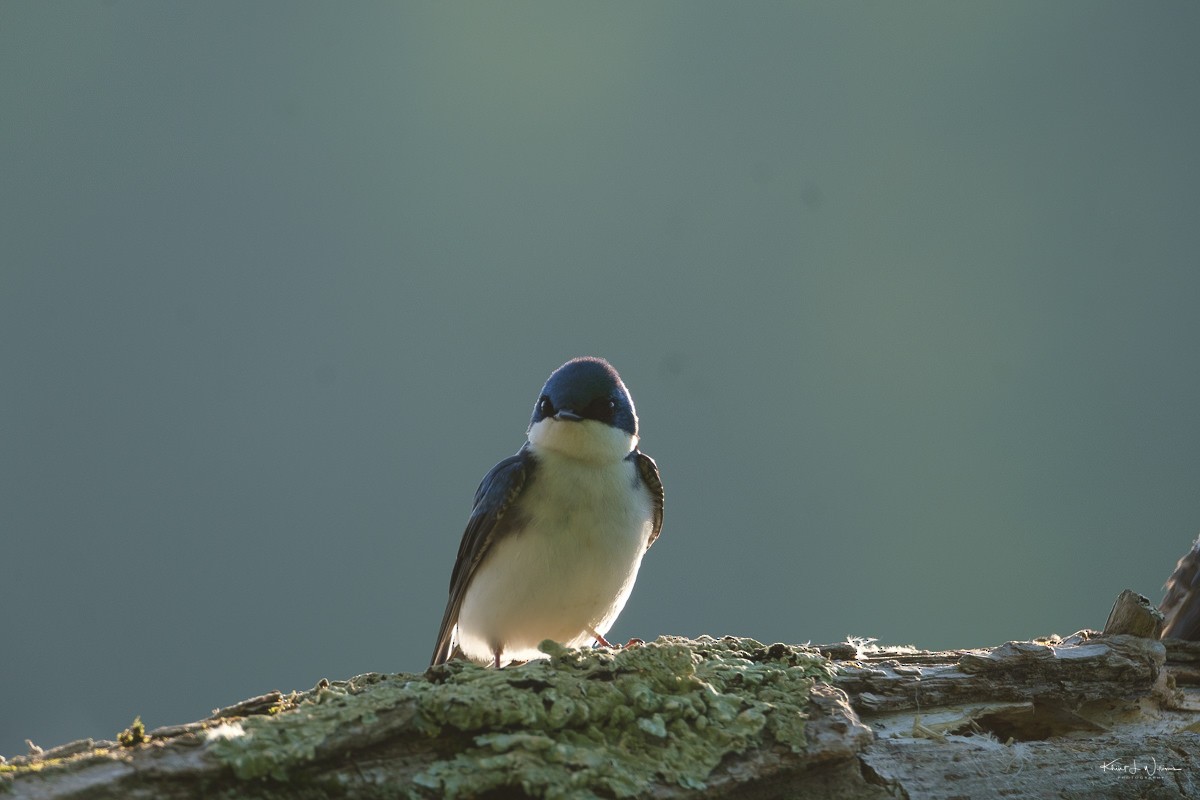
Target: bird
x=1181 y=604
x=557 y=531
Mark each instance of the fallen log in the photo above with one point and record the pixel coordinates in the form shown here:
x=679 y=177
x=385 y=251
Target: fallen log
x=1095 y=715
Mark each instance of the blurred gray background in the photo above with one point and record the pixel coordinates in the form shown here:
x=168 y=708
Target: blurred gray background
x=906 y=295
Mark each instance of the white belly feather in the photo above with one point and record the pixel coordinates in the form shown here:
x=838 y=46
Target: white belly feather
x=571 y=568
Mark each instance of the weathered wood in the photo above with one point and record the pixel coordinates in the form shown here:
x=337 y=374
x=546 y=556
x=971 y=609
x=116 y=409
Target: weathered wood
x=1091 y=716
x=1160 y=767
x=1133 y=614
x=1181 y=604
x=1096 y=716
x=1072 y=671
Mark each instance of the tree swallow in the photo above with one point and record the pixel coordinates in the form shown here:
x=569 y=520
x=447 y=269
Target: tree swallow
x=558 y=531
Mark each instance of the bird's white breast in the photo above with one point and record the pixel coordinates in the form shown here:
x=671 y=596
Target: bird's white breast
x=568 y=571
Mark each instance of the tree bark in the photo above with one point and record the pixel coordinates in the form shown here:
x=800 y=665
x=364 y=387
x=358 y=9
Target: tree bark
x=1097 y=715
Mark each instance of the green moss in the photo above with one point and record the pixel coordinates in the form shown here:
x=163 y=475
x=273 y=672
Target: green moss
x=8 y=772
x=664 y=711
x=271 y=746
x=134 y=735
x=583 y=723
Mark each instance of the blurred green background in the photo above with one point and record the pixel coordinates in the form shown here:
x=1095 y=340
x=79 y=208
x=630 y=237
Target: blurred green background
x=906 y=295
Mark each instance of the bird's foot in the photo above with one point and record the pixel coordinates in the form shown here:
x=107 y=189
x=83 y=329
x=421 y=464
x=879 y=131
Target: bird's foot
x=511 y=663
x=600 y=640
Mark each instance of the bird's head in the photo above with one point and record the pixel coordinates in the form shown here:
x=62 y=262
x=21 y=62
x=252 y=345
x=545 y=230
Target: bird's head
x=585 y=411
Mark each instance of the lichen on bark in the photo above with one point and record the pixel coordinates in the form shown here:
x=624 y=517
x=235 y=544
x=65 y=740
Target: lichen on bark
x=580 y=723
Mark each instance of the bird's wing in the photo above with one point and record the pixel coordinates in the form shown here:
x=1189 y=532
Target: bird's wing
x=1181 y=605
x=648 y=471
x=497 y=492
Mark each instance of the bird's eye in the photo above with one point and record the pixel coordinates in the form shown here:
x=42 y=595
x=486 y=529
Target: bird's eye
x=545 y=407
x=612 y=405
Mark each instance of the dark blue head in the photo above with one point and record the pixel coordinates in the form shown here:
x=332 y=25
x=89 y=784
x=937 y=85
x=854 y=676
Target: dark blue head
x=587 y=388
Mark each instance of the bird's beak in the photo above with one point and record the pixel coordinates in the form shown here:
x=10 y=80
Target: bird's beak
x=568 y=415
